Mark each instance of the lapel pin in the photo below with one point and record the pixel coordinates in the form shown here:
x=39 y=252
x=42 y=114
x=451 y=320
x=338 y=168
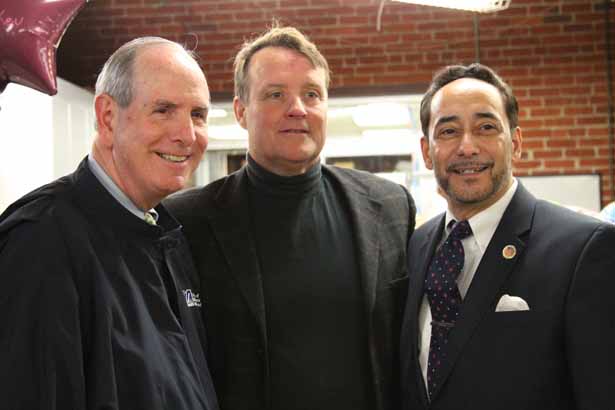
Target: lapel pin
x=509 y=251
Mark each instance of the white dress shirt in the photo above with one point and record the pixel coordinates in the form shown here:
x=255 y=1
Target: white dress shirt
x=483 y=226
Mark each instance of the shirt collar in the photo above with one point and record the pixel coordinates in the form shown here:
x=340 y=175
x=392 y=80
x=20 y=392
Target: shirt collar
x=115 y=191
x=485 y=222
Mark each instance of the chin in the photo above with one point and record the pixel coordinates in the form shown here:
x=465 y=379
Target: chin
x=472 y=197
x=176 y=185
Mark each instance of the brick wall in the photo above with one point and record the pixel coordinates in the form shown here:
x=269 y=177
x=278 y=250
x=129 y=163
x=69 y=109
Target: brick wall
x=552 y=52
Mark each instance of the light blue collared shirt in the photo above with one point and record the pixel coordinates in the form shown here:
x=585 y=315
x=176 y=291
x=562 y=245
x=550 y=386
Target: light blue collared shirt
x=115 y=191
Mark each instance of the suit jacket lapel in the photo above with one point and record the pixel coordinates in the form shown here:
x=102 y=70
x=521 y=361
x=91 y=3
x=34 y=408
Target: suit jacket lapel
x=365 y=217
x=490 y=276
x=232 y=228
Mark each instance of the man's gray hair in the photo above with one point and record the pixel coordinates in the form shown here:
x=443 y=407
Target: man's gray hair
x=116 y=77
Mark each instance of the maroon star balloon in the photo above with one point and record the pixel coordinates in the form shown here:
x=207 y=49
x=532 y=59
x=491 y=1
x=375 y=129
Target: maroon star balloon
x=30 y=32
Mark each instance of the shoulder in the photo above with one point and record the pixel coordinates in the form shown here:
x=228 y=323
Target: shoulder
x=36 y=241
x=44 y=206
x=427 y=227
x=565 y=236
x=186 y=198
x=363 y=180
x=558 y=219
x=364 y=183
x=395 y=199
x=193 y=202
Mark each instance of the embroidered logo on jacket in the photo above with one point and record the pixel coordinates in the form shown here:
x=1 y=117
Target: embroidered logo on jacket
x=192 y=299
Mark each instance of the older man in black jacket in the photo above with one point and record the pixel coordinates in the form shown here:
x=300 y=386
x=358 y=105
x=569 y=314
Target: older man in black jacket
x=99 y=302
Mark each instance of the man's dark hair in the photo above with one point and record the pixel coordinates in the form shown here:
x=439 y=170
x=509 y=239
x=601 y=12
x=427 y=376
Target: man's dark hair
x=478 y=71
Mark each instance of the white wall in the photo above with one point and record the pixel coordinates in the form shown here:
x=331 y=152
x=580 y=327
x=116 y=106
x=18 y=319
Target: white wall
x=41 y=137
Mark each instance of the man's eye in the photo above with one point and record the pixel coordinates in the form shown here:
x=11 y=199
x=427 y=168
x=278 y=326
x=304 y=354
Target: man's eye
x=200 y=115
x=313 y=94
x=447 y=132
x=162 y=109
x=275 y=94
x=488 y=127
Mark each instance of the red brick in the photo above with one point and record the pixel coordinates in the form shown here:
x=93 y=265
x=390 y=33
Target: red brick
x=528 y=164
x=559 y=164
x=535 y=133
x=546 y=112
x=591 y=121
x=595 y=142
x=547 y=154
x=532 y=144
x=586 y=152
x=561 y=143
x=596 y=162
x=559 y=122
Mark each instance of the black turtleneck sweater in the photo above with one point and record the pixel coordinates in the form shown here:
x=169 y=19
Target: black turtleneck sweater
x=315 y=312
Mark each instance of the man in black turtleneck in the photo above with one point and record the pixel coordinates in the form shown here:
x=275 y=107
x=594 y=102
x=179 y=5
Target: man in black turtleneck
x=302 y=265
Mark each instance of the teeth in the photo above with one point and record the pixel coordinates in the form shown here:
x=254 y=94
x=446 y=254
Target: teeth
x=173 y=158
x=469 y=171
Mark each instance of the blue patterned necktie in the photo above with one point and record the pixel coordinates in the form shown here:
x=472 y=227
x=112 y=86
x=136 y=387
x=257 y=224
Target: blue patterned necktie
x=443 y=295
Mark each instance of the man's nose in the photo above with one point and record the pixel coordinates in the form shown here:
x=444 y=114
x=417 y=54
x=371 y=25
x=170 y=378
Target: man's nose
x=185 y=131
x=296 y=108
x=468 y=145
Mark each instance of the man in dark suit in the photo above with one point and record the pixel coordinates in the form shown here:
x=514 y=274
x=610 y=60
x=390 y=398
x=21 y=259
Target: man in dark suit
x=301 y=264
x=511 y=305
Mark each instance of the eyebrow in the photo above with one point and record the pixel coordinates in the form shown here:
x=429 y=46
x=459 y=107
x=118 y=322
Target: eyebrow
x=282 y=85
x=165 y=103
x=169 y=104
x=450 y=118
x=443 y=120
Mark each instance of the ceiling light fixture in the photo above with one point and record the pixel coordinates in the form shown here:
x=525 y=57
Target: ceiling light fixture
x=478 y=6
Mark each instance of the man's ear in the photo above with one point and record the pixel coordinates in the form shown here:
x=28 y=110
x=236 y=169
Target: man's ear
x=106 y=110
x=517 y=144
x=240 y=112
x=426 y=153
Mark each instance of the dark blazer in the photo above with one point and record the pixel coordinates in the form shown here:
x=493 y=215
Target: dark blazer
x=558 y=355
x=216 y=222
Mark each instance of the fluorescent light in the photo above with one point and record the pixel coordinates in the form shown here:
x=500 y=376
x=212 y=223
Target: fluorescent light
x=479 y=6
x=381 y=114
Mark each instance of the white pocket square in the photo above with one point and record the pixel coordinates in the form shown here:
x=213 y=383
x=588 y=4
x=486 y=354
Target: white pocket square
x=509 y=303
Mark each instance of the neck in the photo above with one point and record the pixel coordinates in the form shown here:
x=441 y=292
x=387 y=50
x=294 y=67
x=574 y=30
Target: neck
x=464 y=211
x=271 y=183
x=104 y=158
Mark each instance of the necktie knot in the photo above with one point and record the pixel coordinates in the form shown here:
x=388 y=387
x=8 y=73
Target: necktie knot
x=149 y=218
x=461 y=229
